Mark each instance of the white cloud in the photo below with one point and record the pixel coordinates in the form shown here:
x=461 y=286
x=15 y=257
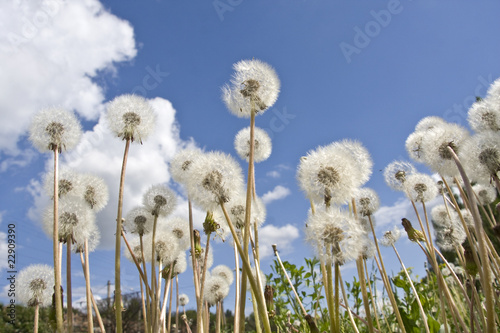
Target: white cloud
x=49 y=51
x=279 y=192
x=3 y=244
x=273 y=174
x=389 y=216
x=283 y=237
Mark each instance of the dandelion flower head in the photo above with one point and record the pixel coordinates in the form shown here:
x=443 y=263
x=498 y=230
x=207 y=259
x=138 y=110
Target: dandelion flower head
x=396 y=172
x=262 y=144
x=159 y=200
x=35 y=285
x=139 y=220
x=253 y=82
x=55 y=128
x=131 y=117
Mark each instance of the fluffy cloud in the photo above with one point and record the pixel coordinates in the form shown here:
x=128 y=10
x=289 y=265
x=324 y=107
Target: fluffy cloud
x=279 y=192
x=283 y=237
x=49 y=51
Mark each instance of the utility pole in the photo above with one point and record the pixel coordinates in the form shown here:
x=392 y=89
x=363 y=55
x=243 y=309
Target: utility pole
x=109 y=293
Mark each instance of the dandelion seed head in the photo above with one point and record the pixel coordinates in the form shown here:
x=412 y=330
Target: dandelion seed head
x=180 y=164
x=55 y=128
x=391 y=237
x=367 y=201
x=216 y=289
x=262 y=144
x=215 y=177
x=159 y=200
x=225 y=272
x=441 y=216
x=35 y=285
x=396 y=172
x=428 y=123
x=486 y=194
x=93 y=237
x=183 y=299
x=253 y=81
x=482 y=116
x=95 y=191
x=131 y=117
x=139 y=220
x=481 y=156
x=179 y=227
x=180 y=264
x=327 y=175
x=421 y=187
x=166 y=247
x=69 y=183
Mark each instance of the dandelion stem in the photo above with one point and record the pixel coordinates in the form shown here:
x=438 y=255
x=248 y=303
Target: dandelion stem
x=237 y=294
x=69 y=298
x=35 y=323
x=364 y=293
x=55 y=239
x=196 y=278
x=118 y=292
x=485 y=264
x=349 y=312
x=261 y=305
x=177 y=303
x=248 y=209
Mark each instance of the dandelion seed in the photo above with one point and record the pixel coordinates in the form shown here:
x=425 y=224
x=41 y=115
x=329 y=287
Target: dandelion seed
x=131 y=117
x=262 y=144
x=487 y=194
x=253 y=81
x=35 y=285
x=55 y=128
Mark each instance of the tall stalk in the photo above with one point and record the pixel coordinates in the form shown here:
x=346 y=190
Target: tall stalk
x=69 y=298
x=55 y=245
x=485 y=264
x=248 y=210
x=118 y=291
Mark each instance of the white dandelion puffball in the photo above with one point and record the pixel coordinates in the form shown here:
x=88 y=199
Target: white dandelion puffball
x=421 y=187
x=139 y=220
x=481 y=156
x=262 y=144
x=55 y=128
x=95 y=191
x=69 y=183
x=391 y=237
x=181 y=164
x=396 y=172
x=179 y=227
x=131 y=117
x=367 y=201
x=483 y=116
x=224 y=272
x=159 y=200
x=215 y=177
x=216 y=289
x=253 y=82
x=183 y=299
x=328 y=174
x=35 y=285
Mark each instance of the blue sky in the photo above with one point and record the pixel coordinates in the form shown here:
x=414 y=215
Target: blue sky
x=366 y=70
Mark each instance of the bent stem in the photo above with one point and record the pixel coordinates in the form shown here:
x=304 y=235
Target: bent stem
x=118 y=292
x=485 y=264
x=246 y=267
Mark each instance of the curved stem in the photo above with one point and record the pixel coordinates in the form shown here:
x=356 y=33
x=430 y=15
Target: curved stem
x=118 y=291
